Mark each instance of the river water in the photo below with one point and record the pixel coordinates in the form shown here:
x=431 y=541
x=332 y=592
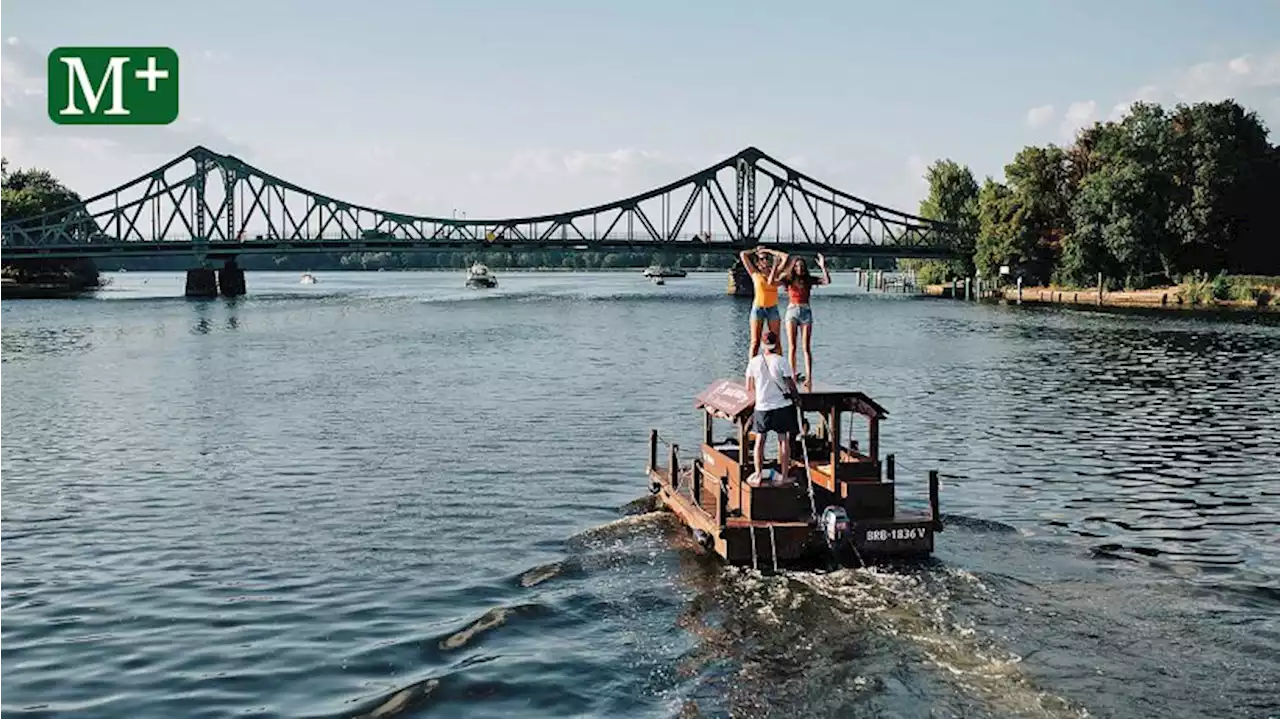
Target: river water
x=386 y=495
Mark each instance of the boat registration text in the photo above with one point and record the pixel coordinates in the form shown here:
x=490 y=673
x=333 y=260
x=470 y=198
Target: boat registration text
x=896 y=534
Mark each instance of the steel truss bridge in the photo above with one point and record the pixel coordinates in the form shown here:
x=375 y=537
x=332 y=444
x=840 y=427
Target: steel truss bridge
x=215 y=206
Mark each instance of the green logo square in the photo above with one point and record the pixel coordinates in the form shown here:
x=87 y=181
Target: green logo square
x=113 y=85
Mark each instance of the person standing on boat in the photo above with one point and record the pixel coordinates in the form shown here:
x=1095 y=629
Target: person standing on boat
x=770 y=382
x=799 y=282
x=764 y=277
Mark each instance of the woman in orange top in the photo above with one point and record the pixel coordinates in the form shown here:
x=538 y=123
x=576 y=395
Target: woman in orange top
x=764 y=309
x=799 y=282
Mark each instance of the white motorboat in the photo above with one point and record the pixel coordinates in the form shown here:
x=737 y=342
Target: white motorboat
x=479 y=276
x=307 y=278
x=660 y=271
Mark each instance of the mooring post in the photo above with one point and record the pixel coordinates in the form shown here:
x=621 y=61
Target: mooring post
x=653 y=450
x=697 y=481
x=1019 y=290
x=722 y=506
x=674 y=467
x=933 y=498
x=1099 y=289
x=889 y=471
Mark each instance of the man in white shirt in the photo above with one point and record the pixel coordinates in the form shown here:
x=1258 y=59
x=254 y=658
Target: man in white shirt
x=769 y=379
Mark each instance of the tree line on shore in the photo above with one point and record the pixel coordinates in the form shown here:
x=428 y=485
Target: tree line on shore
x=30 y=192
x=1158 y=197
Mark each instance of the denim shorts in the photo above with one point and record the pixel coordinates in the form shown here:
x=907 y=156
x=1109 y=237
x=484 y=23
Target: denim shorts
x=765 y=314
x=800 y=314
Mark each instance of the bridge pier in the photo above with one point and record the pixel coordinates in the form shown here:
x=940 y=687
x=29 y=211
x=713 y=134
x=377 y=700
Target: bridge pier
x=202 y=282
x=740 y=281
x=231 y=279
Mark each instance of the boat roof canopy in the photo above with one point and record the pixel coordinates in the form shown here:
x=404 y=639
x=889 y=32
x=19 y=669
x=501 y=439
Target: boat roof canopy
x=729 y=399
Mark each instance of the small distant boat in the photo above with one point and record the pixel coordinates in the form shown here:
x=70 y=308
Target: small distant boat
x=659 y=281
x=307 y=278
x=479 y=276
x=663 y=271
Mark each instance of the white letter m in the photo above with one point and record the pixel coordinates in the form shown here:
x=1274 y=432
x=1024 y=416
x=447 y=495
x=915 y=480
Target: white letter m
x=77 y=74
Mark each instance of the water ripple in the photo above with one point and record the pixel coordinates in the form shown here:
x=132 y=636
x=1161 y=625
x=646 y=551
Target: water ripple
x=398 y=498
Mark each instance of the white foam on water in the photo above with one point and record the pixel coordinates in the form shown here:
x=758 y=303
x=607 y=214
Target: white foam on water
x=916 y=608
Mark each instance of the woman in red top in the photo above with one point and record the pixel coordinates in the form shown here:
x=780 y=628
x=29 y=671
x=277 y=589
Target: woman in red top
x=799 y=282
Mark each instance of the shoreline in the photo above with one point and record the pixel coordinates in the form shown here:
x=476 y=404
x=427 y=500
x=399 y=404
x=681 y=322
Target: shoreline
x=11 y=289
x=1157 y=298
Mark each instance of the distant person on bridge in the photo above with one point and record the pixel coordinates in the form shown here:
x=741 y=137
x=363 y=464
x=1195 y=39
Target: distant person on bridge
x=799 y=282
x=764 y=276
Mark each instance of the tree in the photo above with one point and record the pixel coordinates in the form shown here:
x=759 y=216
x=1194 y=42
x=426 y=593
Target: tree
x=1023 y=224
x=1221 y=170
x=997 y=231
x=35 y=197
x=953 y=198
x=1121 y=208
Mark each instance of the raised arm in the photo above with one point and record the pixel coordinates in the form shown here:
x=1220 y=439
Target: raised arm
x=775 y=274
x=747 y=262
x=826 y=276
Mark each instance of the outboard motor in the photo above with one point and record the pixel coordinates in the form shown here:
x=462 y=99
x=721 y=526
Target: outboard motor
x=835 y=526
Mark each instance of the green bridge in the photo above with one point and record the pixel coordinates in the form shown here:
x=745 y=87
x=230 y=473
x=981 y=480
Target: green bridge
x=214 y=208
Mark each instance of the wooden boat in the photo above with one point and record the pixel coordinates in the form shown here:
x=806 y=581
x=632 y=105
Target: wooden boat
x=840 y=509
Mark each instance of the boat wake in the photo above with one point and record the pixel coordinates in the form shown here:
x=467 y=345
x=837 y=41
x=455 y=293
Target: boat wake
x=863 y=641
x=916 y=607
x=859 y=641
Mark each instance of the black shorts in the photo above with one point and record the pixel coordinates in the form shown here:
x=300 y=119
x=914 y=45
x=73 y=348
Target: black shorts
x=781 y=420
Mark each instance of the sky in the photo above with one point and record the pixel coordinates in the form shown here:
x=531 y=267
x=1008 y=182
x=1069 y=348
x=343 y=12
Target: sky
x=507 y=108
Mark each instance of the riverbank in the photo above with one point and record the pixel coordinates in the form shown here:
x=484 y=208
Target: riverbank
x=48 y=279
x=1172 y=297
x=11 y=289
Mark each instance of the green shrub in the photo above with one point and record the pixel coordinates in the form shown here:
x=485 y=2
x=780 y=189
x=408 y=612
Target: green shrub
x=1220 y=288
x=1196 y=289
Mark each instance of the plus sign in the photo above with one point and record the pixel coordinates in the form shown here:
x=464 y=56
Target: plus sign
x=151 y=74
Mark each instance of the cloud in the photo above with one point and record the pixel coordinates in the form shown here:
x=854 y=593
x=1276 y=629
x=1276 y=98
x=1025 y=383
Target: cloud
x=1244 y=76
x=1146 y=93
x=1040 y=116
x=1252 y=80
x=622 y=163
x=916 y=169
x=1079 y=115
x=23 y=95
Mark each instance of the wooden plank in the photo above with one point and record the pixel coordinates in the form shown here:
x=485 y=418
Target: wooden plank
x=727 y=397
